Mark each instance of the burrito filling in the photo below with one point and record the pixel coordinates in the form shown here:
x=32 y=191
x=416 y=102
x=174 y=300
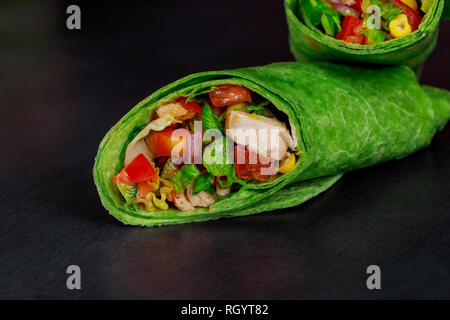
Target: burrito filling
x=203 y=147
x=364 y=21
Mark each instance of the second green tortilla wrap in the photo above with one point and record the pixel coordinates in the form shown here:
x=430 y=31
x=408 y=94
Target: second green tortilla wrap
x=345 y=118
x=311 y=44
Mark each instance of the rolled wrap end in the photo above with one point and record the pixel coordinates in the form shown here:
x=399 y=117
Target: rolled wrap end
x=441 y=104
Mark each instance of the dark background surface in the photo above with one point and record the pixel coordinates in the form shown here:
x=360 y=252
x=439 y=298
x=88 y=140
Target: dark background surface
x=61 y=90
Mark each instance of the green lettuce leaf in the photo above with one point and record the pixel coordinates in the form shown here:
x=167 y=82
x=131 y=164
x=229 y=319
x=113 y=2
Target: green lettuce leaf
x=376 y=35
x=169 y=170
x=185 y=177
x=426 y=5
x=197 y=92
x=389 y=11
x=217 y=161
x=320 y=12
x=210 y=119
x=203 y=183
x=128 y=191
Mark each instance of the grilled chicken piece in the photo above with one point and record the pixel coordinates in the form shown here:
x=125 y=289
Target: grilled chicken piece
x=181 y=202
x=267 y=137
x=201 y=199
x=222 y=192
x=187 y=201
x=176 y=110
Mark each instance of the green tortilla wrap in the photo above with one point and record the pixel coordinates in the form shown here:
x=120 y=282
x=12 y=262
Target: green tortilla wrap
x=311 y=44
x=345 y=118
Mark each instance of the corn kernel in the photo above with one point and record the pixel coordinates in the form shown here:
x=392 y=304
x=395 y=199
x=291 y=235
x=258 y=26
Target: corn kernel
x=400 y=27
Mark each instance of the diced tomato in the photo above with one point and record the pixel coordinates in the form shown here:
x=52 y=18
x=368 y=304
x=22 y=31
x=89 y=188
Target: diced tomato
x=139 y=170
x=357 y=5
x=359 y=28
x=347 y=27
x=358 y=36
x=414 y=18
x=229 y=94
x=247 y=170
x=161 y=143
x=355 y=39
x=143 y=189
x=351 y=30
x=190 y=105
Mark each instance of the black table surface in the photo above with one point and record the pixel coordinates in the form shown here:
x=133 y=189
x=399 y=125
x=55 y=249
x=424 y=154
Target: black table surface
x=60 y=92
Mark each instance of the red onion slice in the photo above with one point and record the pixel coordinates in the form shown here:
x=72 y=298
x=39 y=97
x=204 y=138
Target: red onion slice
x=341 y=2
x=346 y=10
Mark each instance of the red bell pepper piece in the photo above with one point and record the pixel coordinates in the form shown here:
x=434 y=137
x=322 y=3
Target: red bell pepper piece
x=139 y=170
x=355 y=39
x=349 y=24
x=357 y=5
x=190 y=105
x=414 y=17
x=161 y=143
x=248 y=170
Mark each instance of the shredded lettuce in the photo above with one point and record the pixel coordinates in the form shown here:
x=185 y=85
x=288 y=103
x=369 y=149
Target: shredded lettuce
x=151 y=202
x=161 y=123
x=161 y=187
x=259 y=109
x=197 y=92
x=166 y=189
x=160 y=203
x=169 y=169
